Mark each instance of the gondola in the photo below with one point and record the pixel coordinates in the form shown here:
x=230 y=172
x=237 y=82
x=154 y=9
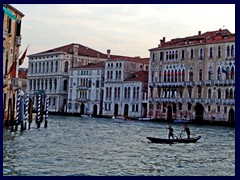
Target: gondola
x=177 y=140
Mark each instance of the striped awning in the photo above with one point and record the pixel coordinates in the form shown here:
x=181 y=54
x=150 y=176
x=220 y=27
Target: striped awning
x=9 y=13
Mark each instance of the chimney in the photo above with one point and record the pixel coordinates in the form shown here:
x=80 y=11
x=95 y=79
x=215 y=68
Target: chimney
x=108 y=53
x=163 y=40
x=199 y=33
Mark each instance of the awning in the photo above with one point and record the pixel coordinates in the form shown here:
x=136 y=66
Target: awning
x=9 y=13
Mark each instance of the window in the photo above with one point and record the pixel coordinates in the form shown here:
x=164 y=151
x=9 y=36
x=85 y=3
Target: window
x=199 y=92
x=232 y=51
x=56 y=70
x=66 y=67
x=200 y=75
x=191 y=56
x=183 y=54
x=228 y=51
x=209 y=108
x=209 y=93
x=219 y=52
x=219 y=74
x=189 y=106
x=161 y=55
x=211 y=53
x=219 y=93
x=201 y=54
x=218 y=108
x=153 y=57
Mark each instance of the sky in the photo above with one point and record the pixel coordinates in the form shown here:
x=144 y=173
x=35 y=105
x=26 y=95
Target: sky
x=126 y=29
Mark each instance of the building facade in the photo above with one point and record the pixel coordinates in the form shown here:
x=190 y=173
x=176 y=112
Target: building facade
x=48 y=72
x=123 y=96
x=193 y=78
x=12 y=37
x=85 y=94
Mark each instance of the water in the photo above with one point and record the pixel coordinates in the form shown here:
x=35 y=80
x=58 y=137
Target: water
x=72 y=146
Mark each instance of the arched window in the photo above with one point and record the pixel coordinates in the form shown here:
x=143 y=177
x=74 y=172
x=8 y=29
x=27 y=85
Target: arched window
x=226 y=94
x=31 y=67
x=56 y=70
x=176 y=55
x=232 y=50
x=66 y=67
x=134 y=92
x=166 y=55
x=165 y=76
x=183 y=75
x=47 y=67
x=55 y=84
x=179 y=75
x=172 y=75
x=211 y=53
x=199 y=92
x=115 y=92
x=201 y=54
x=51 y=66
x=191 y=74
x=169 y=75
x=172 y=55
x=120 y=74
x=232 y=73
x=210 y=72
x=183 y=54
x=231 y=94
x=228 y=51
x=125 y=92
x=106 y=92
x=209 y=93
x=35 y=67
x=176 y=75
x=200 y=75
x=116 y=75
x=65 y=85
x=137 y=92
x=191 y=56
x=129 y=92
x=118 y=92
x=219 y=51
x=219 y=93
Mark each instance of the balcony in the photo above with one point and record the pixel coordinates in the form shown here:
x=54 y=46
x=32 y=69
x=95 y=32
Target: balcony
x=5 y=34
x=82 y=87
x=189 y=84
x=199 y=100
x=199 y=83
x=208 y=101
x=218 y=101
x=230 y=101
x=82 y=99
x=18 y=40
x=209 y=82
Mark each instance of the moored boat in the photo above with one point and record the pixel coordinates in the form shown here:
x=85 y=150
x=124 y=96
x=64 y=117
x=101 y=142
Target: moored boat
x=177 y=140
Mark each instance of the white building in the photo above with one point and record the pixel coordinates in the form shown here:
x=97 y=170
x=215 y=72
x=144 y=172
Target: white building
x=122 y=96
x=85 y=93
x=48 y=72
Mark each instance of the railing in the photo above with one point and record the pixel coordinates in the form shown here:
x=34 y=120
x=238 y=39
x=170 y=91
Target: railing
x=209 y=82
x=208 y=101
x=199 y=83
x=189 y=83
x=82 y=87
x=218 y=101
x=18 y=40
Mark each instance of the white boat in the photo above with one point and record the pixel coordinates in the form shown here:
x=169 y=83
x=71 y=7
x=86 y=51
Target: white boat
x=144 y=119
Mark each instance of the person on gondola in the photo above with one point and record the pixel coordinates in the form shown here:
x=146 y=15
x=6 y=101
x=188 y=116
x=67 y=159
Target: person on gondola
x=170 y=132
x=187 y=130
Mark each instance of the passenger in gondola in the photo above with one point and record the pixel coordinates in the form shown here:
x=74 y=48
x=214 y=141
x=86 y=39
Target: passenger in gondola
x=170 y=131
x=187 y=130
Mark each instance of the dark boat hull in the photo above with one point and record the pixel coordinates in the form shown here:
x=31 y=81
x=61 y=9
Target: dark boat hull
x=178 y=140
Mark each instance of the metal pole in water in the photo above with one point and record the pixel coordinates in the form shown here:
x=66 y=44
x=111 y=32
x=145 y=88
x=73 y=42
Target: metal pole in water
x=30 y=112
x=18 y=107
x=38 y=115
x=46 y=116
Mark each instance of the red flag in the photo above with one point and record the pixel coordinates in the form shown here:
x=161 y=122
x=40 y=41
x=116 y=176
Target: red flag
x=23 y=57
x=12 y=70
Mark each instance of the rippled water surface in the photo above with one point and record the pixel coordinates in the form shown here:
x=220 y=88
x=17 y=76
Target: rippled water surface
x=72 y=146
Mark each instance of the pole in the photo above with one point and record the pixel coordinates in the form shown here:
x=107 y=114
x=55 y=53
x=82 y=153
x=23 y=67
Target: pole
x=22 y=112
x=46 y=116
x=18 y=107
x=30 y=113
x=26 y=110
x=38 y=115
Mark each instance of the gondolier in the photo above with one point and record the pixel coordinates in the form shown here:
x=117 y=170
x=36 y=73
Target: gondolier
x=170 y=133
x=187 y=130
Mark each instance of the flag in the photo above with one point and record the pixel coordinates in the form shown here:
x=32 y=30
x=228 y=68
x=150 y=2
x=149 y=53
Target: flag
x=23 y=57
x=12 y=70
x=226 y=71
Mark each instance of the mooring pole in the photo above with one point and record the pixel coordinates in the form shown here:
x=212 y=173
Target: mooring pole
x=38 y=115
x=46 y=115
x=18 y=107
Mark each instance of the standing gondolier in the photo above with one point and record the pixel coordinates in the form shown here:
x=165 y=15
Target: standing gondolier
x=187 y=130
x=170 y=133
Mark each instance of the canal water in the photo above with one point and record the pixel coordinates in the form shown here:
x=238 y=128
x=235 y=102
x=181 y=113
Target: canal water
x=73 y=146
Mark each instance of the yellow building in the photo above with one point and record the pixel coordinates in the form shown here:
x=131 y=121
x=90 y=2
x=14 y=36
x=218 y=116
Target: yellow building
x=193 y=78
x=12 y=19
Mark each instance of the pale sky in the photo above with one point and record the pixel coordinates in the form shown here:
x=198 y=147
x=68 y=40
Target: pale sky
x=126 y=29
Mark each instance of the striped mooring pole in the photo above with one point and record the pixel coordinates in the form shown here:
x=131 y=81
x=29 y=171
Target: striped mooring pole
x=39 y=105
x=26 y=110
x=17 y=108
x=46 y=116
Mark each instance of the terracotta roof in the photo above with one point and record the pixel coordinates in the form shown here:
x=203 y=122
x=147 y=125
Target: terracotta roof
x=136 y=59
x=82 y=50
x=138 y=76
x=91 y=66
x=207 y=37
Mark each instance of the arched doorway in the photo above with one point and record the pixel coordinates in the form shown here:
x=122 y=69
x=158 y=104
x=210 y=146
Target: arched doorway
x=169 y=114
x=231 y=117
x=82 y=109
x=95 y=110
x=125 y=110
x=199 y=109
x=115 y=109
